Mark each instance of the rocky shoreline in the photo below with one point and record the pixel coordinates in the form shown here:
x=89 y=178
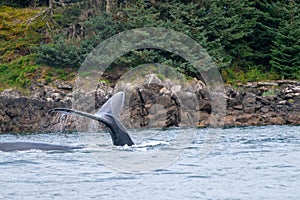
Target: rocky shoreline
x=159 y=103
x=264 y=103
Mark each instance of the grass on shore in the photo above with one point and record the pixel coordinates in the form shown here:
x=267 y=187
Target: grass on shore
x=20 y=31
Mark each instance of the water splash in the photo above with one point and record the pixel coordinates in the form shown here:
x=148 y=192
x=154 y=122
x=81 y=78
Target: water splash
x=60 y=121
x=145 y=146
x=62 y=125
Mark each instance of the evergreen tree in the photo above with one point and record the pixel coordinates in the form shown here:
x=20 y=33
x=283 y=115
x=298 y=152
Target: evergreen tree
x=266 y=24
x=285 y=56
x=24 y=3
x=244 y=35
x=228 y=25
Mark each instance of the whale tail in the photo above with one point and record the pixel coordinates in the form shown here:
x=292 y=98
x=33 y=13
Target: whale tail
x=113 y=106
x=108 y=114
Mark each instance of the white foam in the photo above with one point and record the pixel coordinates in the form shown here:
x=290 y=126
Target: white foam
x=151 y=144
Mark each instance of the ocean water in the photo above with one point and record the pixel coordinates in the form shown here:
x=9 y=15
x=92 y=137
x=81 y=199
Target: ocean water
x=240 y=163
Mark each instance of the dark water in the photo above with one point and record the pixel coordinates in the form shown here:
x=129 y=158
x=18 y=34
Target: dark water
x=245 y=163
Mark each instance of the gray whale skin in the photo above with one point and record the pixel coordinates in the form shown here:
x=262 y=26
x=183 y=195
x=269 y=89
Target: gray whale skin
x=24 y=146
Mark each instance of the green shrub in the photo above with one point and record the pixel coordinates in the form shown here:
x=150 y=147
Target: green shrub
x=60 y=54
x=269 y=93
x=255 y=75
x=48 y=79
x=17 y=73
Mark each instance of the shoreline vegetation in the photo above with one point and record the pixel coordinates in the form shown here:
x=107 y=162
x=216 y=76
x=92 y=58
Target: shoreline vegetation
x=255 y=45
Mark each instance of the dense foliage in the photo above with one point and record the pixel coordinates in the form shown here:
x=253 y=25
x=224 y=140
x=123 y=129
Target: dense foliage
x=249 y=40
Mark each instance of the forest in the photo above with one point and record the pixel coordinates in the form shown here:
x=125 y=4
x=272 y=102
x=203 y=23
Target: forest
x=248 y=40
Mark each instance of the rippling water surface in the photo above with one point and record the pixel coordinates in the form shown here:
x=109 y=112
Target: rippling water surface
x=245 y=163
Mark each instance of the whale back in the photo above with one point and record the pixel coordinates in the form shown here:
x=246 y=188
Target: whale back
x=24 y=146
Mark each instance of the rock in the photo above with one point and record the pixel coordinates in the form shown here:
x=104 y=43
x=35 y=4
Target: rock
x=290 y=92
x=296 y=89
x=287 y=90
x=249 y=99
x=196 y=85
x=102 y=94
x=250 y=110
x=190 y=119
x=189 y=101
x=248 y=119
x=268 y=115
x=11 y=93
x=234 y=98
x=263 y=89
x=56 y=97
x=265 y=109
x=153 y=82
x=205 y=105
x=238 y=107
x=277 y=120
x=229 y=121
x=282 y=102
x=263 y=101
x=143 y=105
x=287 y=82
x=28 y=113
x=259 y=84
x=250 y=85
x=176 y=89
x=64 y=85
x=293 y=117
x=49 y=99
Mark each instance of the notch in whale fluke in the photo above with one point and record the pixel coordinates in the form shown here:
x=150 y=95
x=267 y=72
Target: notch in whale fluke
x=108 y=114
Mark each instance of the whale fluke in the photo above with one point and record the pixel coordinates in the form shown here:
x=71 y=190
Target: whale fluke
x=24 y=146
x=108 y=114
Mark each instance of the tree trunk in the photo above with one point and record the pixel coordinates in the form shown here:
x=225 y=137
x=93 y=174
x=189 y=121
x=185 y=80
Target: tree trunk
x=51 y=6
x=108 y=6
x=62 y=3
x=291 y=5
